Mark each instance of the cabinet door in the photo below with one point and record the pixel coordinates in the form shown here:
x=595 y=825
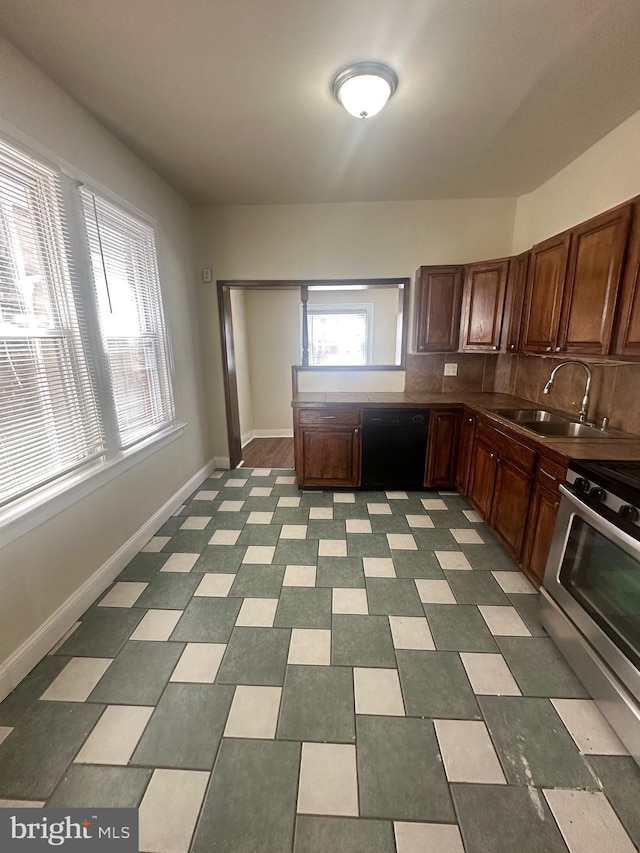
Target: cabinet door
x=482 y=475
x=467 y=430
x=328 y=457
x=592 y=283
x=542 y=519
x=543 y=297
x=514 y=302
x=483 y=305
x=437 y=308
x=442 y=447
x=628 y=334
x=511 y=505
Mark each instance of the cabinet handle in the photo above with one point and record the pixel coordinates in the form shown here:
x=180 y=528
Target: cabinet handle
x=496 y=347
x=512 y=346
x=549 y=349
x=355 y=432
x=469 y=420
x=492 y=456
x=328 y=417
x=547 y=474
x=558 y=349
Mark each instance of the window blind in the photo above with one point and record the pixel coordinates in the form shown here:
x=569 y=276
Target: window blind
x=127 y=289
x=50 y=421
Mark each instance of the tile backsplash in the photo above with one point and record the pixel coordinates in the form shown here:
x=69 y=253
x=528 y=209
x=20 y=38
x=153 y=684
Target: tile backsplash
x=615 y=389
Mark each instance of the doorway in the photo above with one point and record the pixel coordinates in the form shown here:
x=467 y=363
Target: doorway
x=265 y=330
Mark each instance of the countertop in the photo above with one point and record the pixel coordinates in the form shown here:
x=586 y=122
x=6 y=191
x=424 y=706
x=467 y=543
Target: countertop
x=615 y=447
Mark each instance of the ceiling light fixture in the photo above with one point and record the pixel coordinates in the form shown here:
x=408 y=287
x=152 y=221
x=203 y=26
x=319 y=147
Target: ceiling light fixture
x=364 y=88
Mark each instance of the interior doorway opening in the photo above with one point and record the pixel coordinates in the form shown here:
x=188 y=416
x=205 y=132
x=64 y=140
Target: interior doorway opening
x=269 y=326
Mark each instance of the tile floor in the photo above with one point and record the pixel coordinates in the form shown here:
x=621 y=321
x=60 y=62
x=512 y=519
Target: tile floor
x=315 y=671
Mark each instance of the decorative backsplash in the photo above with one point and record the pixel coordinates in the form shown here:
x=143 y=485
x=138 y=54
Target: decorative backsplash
x=615 y=390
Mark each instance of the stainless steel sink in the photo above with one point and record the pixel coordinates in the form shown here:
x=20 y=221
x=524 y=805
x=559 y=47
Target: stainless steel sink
x=531 y=416
x=568 y=429
x=547 y=423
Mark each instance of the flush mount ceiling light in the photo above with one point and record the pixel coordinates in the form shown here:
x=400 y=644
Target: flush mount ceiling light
x=364 y=88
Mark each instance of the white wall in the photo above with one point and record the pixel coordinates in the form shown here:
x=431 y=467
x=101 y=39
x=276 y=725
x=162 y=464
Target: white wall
x=606 y=174
x=40 y=570
x=369 y=240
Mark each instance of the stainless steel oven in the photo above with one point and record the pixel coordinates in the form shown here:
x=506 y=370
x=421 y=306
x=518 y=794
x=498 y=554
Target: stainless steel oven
x=590 y=601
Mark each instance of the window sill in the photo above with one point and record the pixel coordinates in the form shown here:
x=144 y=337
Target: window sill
x=42 y=504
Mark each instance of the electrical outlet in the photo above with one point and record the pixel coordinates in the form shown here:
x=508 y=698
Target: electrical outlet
x=450 y=368
x=206 y=275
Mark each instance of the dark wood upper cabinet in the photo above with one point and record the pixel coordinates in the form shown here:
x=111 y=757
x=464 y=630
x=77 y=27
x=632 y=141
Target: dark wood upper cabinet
x=437 y=308
x=543 y=295
x=514 y=302
x=483 y=298
x=627 y=341
x=592 y=282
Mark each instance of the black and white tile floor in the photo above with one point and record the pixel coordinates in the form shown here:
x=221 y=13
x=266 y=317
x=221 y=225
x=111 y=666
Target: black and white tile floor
x=321 y=671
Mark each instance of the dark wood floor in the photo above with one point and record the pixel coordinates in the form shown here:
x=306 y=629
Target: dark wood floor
x=268 y=453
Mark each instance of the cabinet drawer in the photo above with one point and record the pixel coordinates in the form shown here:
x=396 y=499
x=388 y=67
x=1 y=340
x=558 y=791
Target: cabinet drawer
x=329 y=417
x=508 y=448
x=488 y=434
x=550 y=474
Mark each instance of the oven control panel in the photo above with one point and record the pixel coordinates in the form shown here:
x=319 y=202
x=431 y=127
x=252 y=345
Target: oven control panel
x=595 y=494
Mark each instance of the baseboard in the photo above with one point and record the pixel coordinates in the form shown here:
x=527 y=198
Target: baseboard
x=273 y=433
x=222 y=462
x=20 y=663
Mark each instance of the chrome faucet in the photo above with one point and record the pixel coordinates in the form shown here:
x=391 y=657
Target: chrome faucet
x=582 y=415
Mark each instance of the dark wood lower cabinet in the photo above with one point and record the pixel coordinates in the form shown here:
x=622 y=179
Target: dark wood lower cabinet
x=465 y=449
x=327 y=446
x=511 y=505
x=542 y=519
x=542 y=515
x=500 y=483
x=329 y=457
x=442 y=448
x=482 y=477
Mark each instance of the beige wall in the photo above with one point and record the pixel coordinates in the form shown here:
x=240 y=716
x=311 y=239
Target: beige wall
x=273 y=327
x=44 y=567
x=605 y=175
x=369 y=240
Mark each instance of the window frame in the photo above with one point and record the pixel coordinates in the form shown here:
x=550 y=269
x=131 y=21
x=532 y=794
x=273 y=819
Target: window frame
x=37 y=504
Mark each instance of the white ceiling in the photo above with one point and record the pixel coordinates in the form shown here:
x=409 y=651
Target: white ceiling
x=229 y=99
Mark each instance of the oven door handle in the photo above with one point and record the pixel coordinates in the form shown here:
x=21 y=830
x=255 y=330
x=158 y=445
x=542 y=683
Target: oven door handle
x=600 y=523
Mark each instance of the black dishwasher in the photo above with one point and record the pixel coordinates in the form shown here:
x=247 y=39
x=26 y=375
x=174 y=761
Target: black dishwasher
x=394 y=448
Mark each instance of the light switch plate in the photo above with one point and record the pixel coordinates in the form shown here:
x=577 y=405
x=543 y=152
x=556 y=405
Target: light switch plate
x=206 y=275
x=451 y=368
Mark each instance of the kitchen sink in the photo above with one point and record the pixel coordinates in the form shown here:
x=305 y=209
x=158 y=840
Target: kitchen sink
x=550 y=424
x=530 y=416
x=568 y=429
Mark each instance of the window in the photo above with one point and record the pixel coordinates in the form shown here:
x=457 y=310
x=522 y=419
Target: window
x=84 y=365
x=127 y=287
x=339 y=334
